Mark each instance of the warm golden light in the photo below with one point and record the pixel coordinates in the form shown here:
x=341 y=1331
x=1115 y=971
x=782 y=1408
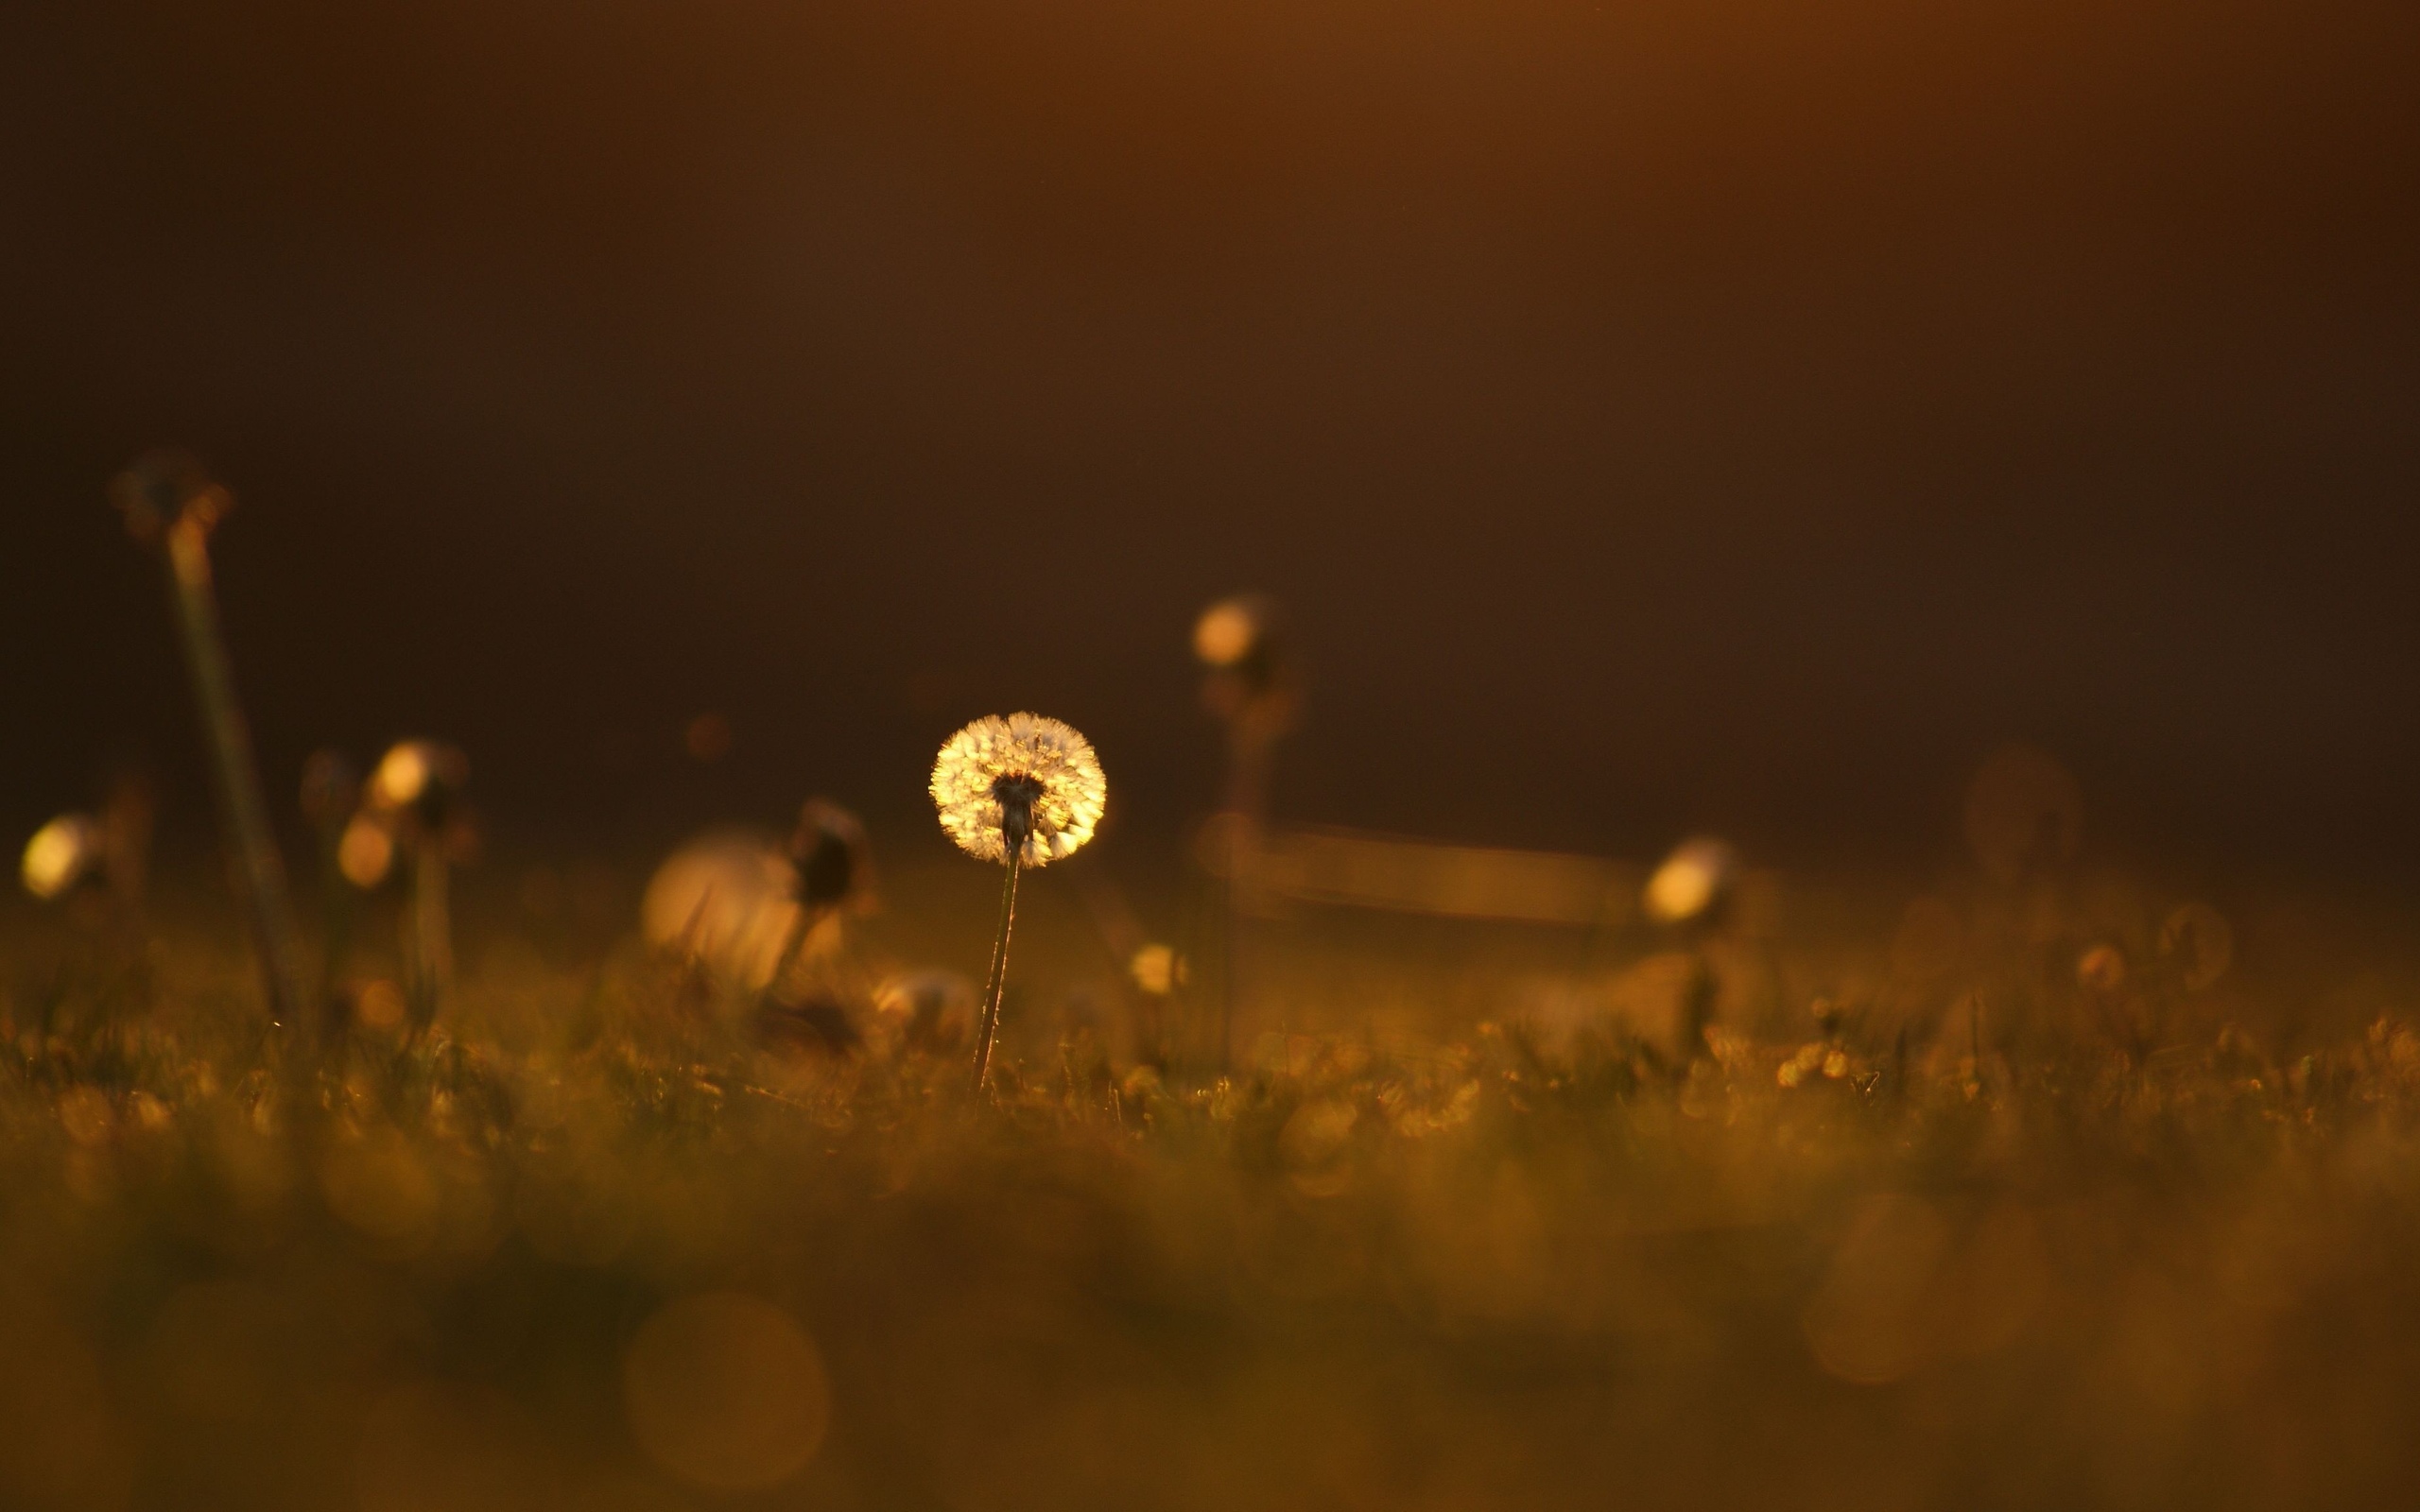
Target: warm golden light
x=1068 y=790
x=60 y=855
x=1226 y=632
x=403 y=776
x=366 y=851
x=727 y=899
x=1691 y=881
x=726 y=1392
x=1157 y=969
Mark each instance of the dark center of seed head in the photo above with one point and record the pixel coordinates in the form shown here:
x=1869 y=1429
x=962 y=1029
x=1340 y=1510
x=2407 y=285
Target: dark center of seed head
x=1016 y=794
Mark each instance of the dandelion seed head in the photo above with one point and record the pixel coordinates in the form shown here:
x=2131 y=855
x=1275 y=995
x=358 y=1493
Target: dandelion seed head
x=1025 y=773
x=161 y=488
x=1158 y=969
x=1691 y=881
x=407 y=773
x=60 y=855
x=2101 y=969
x=1229 y=630
x=834 y=859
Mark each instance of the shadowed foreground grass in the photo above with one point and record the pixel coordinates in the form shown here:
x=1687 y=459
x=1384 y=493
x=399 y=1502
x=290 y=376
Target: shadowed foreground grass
x=590 y=1244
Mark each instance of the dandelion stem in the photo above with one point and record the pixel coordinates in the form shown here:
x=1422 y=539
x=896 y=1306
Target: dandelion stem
x=432 y=935
x=257 y=864
x=794 y=944
x=999 y=979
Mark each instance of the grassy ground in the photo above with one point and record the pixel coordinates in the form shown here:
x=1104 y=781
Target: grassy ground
x=1476 y=1222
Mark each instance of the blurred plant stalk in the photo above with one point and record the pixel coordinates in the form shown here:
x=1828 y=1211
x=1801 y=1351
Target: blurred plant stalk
x=1251 y=685
x=170 y=503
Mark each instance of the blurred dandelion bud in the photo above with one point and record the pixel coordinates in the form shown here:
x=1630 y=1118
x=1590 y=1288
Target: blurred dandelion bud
x=2197 y=945
x=62 y=853
x=728 y=900
x=420 y=775
x=416 y=791
x=834 y=859
x=163 y=489
x=1158 y=969
x=1693 y=882
x=1023 y=791
x=832 y=876
x=1239 y=635
x=2101 y=969
x=1250 y=682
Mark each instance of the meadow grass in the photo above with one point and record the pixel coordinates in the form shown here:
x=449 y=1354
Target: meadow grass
x=590 y=1242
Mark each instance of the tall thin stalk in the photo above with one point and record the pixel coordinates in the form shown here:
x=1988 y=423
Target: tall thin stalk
x=171 y=502
x=996 y=986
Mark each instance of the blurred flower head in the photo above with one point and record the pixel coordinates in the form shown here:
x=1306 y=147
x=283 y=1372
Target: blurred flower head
x=2101 y=969
x=158 y=489
x=1234 y=632
x=727 y=898
x=1023 y=780
x=1249 y=683
x=834 y=859
x=1691 y=882
x=1157 y=969
x=416 y=774
x=62 y=853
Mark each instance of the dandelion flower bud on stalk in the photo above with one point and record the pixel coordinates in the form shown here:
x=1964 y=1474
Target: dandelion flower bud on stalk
x=415 y=786
x=169 y=502
x=835 y=863
x=1023 y=791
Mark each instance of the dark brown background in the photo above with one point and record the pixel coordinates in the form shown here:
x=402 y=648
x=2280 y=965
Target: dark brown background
x=1664 y=414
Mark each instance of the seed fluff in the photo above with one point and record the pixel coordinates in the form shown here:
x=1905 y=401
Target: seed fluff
x=1025 y=773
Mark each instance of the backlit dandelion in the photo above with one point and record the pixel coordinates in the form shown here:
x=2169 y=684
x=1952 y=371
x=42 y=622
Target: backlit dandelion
x=1025 y=780
x=1692 y=882
x=62 y=853
x=1023 y=791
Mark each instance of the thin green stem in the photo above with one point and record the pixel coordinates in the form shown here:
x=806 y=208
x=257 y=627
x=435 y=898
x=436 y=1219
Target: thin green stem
x=262 y=874
x=999 y=980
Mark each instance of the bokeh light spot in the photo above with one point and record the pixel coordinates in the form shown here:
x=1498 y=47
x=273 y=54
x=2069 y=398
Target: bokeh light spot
x=726 y=1392
x=1226 y=633
x=60 y=855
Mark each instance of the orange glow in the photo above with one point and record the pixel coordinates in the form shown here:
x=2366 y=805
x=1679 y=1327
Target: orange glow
x=60 y=855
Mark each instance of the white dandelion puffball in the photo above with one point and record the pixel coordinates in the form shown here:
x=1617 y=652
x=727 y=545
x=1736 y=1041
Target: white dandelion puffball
x=995 y=771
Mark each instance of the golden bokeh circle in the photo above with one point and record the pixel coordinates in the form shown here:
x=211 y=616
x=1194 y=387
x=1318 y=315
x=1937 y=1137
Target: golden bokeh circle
x=726 y=1392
